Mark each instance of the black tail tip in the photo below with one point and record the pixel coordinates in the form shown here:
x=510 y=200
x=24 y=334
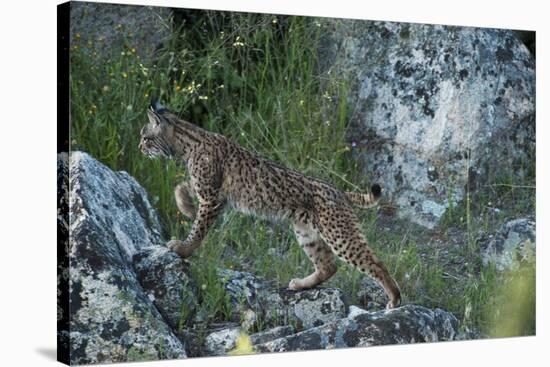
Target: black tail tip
x=376 y=190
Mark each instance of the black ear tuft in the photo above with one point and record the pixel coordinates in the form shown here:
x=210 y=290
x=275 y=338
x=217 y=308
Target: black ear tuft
x=376 y=190
x=156 y=106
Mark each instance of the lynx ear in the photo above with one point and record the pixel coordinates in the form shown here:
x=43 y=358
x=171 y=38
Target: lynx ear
x=153 y=117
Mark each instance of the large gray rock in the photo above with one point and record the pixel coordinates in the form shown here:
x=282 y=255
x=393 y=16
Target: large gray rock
x=513 y=244
x=165 y=279
x=408 y=324
x=437 y=108
x=111 y=318
x=279 y=306
x=109 y=29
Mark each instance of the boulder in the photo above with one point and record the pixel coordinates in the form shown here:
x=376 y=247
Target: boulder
x=513 y=244
x=279 y=306
x=112 y=319
x=438 y=110
x=165 y=279
x=407 y=324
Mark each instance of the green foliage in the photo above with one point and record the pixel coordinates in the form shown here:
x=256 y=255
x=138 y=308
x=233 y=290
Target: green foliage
x=512 y=311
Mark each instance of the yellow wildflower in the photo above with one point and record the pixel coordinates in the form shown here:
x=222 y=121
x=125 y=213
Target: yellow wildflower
x=238 y=42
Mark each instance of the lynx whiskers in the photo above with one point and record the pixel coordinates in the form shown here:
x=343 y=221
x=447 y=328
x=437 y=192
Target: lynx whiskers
x=222 y=172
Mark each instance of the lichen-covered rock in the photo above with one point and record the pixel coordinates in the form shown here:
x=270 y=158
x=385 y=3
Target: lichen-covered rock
x=307 y=308
x=513 y=244
x=106 y=29
x=271 y=334
x=280 y=306
x=437 y=108
x=408 y=324
x=371 y=295
x=244 y=289
x=222 y=341
x=165 y=279
x=111 y=318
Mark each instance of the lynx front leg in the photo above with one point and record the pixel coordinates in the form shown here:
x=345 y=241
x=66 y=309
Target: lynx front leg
x=206 y=215
x=319 y=253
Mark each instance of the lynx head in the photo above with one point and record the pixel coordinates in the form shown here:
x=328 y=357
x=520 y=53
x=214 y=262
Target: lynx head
x=157 y=135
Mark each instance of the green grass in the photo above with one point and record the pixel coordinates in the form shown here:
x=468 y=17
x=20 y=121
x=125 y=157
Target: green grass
x=255 y=79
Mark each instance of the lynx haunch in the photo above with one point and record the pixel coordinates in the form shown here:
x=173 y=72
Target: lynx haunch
x=223 y=173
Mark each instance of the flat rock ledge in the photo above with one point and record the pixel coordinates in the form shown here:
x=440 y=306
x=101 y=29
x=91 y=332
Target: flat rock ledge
x=404 y=325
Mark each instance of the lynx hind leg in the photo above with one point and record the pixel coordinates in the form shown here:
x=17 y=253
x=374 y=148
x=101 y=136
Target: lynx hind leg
x=340 y=230
x=320 y=255
x=184 y=200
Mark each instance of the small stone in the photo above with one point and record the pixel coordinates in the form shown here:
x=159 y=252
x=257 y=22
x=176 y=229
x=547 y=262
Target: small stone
x=220 y=342
x=513 y=244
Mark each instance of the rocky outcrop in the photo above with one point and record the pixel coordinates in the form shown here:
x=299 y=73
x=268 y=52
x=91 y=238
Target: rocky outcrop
x=324 y=319
x=361 y=328
x=280 y=306
x=513 y=244
x=438 y=110
x=130 y=299
x=408 y=324
x=112 y=319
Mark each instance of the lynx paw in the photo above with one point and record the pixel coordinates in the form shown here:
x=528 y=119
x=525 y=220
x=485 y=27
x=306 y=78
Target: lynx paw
x=393 y=303
x=179 y=248
x=295 y=284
